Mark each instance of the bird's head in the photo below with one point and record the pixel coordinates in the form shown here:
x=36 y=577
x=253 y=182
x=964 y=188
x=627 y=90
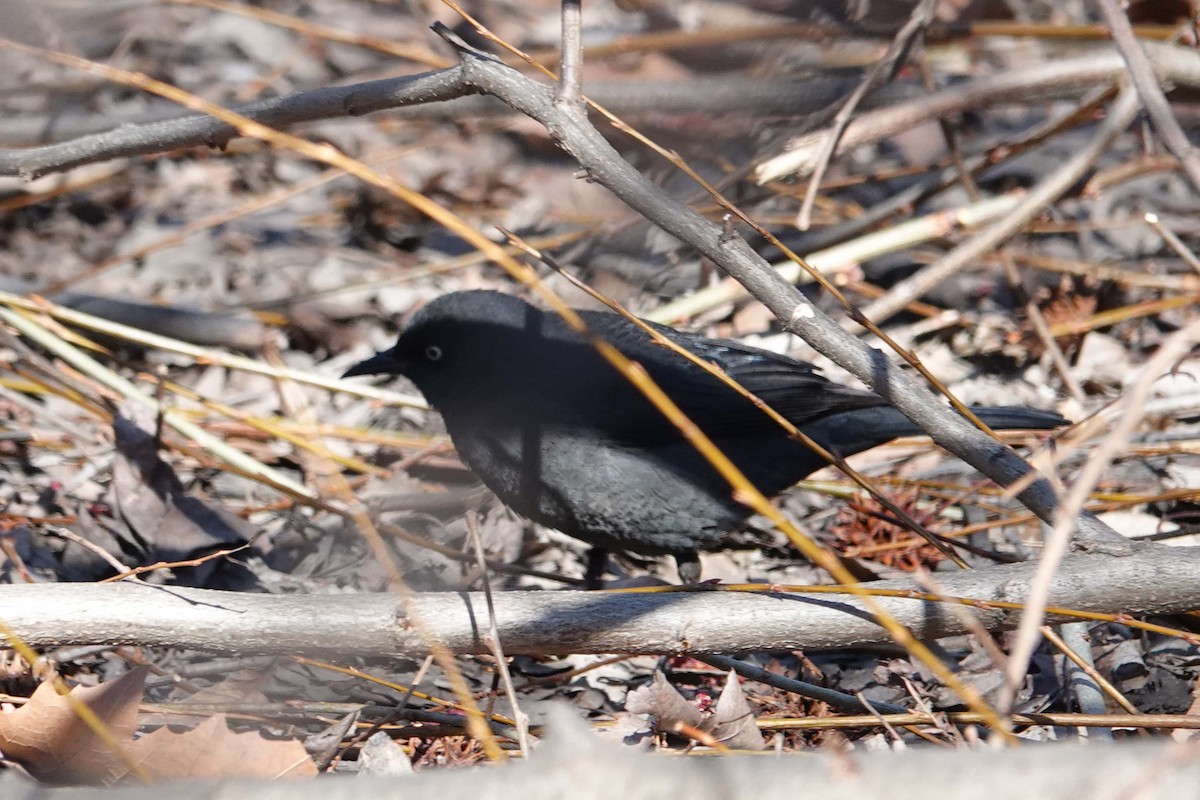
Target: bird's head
x=454 y=344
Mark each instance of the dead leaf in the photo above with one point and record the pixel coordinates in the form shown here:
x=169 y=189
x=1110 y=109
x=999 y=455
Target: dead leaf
x=324 y=745
x=733 y=723
x=48 y=738
x=212 y=750
x=160 y=519
x=662 y=701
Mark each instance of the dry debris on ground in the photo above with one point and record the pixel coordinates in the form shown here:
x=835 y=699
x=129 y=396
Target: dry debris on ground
x=228 y=457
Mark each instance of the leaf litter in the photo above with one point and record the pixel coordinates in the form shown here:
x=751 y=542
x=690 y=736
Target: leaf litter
x=90 y=489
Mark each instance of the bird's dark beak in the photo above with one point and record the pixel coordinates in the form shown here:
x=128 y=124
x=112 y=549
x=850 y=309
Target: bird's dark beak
x=375 y=365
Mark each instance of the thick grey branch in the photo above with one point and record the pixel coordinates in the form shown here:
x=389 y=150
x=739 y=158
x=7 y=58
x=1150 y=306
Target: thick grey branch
x=1154 y=580
x=201 y=129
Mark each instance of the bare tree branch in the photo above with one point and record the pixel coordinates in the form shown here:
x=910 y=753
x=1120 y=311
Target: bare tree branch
x=200 y=129
x=566 y=622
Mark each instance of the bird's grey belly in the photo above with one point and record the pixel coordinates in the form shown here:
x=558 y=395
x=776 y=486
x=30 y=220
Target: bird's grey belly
x=611 y=496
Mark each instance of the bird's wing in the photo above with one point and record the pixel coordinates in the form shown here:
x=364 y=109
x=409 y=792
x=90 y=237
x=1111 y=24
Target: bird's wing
x=793 y=388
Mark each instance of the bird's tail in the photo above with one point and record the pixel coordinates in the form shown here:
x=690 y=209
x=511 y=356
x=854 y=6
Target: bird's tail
x=1009 y=418
x=854 y=431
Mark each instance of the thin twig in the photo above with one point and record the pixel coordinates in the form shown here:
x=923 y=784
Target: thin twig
x=1141 y=72
x=834 y=699
x=920 y=18
x=520 y=718
x=1173 y=241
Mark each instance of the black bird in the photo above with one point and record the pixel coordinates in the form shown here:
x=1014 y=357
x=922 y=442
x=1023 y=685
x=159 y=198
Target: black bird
x=565 y=440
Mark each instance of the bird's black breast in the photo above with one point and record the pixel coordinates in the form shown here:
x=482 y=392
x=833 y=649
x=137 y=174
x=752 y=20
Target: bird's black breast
x=660 y=498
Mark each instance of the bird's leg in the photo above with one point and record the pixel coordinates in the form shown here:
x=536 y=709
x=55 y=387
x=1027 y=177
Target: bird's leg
x=688 y=565
x=597 y=564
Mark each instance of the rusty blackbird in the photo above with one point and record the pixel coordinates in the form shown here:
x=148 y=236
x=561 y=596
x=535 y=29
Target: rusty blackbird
x=565 y=440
